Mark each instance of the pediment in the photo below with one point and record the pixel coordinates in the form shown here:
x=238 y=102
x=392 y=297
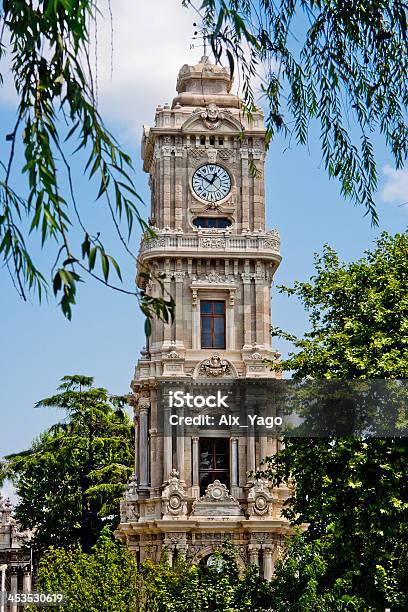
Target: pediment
x=212 y=118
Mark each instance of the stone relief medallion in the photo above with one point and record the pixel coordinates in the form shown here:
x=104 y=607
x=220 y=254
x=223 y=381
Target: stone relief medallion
x=261 y=505
x=259 y=499
x=175 y=502
x=174 y=496
x=215 y=366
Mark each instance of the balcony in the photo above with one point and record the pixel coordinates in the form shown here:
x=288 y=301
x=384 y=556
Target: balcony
x=216 y=243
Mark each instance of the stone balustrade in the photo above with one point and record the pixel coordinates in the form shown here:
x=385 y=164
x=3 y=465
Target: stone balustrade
x=266 y=245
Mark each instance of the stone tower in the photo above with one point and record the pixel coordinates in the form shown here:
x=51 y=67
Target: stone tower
x=205 y=162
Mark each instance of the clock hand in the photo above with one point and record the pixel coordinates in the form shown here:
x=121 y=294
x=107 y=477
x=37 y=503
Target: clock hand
x=204 y=177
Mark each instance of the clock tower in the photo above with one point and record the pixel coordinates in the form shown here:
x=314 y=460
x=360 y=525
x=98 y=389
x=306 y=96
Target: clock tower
x=212 y=253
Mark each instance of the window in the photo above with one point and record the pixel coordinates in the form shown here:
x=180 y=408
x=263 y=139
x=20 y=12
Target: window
x=221 y=142
x=212 y=140
x=214 y=462
x=212 y=324
x=213 y=222
x=202 y=140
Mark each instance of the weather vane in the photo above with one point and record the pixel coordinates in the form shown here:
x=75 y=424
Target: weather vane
x=203 y=37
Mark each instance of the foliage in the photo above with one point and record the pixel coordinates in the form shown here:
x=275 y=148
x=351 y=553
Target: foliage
x=354 y=496
x=108 y=579
x=104 y=580
x=198 y=588
x=48 y=46
x=339 y=63
x=342 y=64
x=352 y=492
x=300 y=582
x=358 y=314
x=71 y=480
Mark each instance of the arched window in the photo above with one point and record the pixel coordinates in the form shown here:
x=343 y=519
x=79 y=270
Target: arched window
x=212 y=222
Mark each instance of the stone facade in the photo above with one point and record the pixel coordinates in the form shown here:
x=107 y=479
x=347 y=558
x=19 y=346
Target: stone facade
x=205 y=248
x=15 y=564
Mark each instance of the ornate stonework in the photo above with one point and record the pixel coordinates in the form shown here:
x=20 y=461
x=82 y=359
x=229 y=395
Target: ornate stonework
x=214 y=366
x=217 y=249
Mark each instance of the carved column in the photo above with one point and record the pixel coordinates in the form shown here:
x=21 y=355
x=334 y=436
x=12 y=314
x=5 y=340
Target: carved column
x=169 y=550
x=196 y=464
x=230 y=344
x=245 y=186
x=166 y=294
x=259 y=305
x=181 y=550
x=180 y=454
x=166 y=152
x=268 y=562
x=253 y=550
x=13 y=585
x=27 y=579
x=144 y=405
x=3 y=569
x=234 y=466
x=246 y=280
x=167 y=447
x=263 y=442
x=195 y=340
x=136 y=424
x=250 y=451
x=180 y=325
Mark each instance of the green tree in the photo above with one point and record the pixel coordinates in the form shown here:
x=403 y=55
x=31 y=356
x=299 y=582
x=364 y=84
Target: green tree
x=352 y=492
x=220 y=587
x=340 y=64
x=300 y=581
x=358 y=315
x=104 y=580
x=71 y=480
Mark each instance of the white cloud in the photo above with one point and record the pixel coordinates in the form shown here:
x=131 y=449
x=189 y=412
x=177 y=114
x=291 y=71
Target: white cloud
x=151 y=41
x=395 y=189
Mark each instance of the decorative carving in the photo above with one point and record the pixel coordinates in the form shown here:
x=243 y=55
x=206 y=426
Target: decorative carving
x=256 y=356
x=194 y=298
x=214 y=278
x=226 y=154
x=211 y=116
x=215 y=366
x=153 y=243
x=178 y=276
x=217 y=491
x=259 y=499
x=196 y=152
x=131 y=488
x=173 y=355
x=213 y=243
x=144 y=403
x=212 y=155
x=217 y=502
x=174 y=497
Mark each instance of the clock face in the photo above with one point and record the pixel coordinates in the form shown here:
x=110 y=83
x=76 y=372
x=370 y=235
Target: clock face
x=211 y=183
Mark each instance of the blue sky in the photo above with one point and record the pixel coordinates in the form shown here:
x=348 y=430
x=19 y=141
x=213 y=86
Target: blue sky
x=105 y=335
